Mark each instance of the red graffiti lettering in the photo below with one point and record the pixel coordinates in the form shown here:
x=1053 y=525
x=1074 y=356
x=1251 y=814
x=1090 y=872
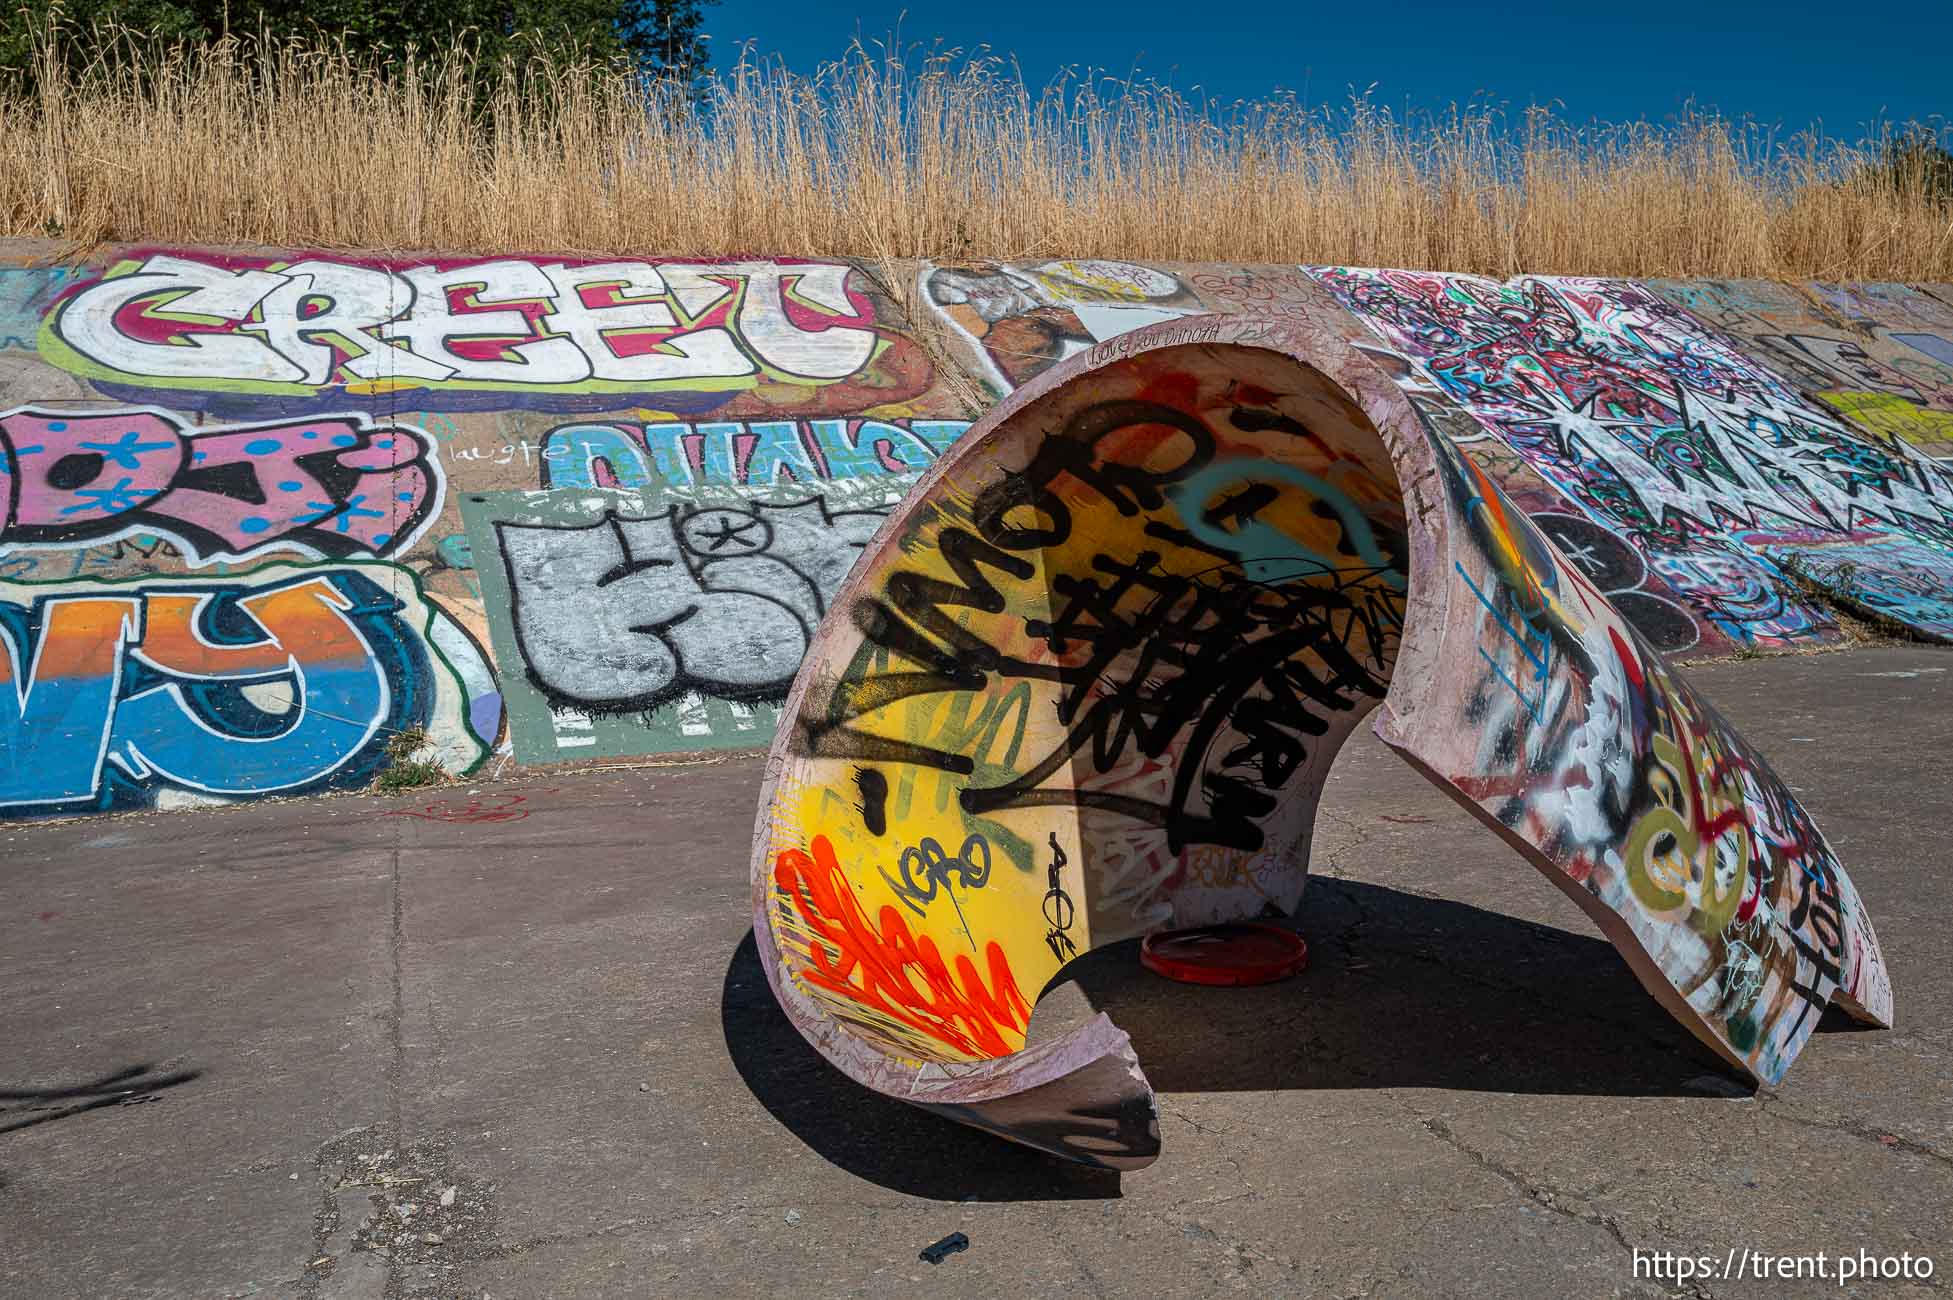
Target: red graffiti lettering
x=881 y=970
x=470 y=811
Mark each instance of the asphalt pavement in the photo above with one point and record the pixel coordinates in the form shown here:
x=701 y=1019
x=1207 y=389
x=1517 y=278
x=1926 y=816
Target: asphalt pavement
x=511 y=1039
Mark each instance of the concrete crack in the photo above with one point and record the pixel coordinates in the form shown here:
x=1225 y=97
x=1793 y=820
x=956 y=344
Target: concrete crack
x=1544 y=1196
x=1195 y=1230
x=1331 y=867
x=1548 y=1198
x=1195 y=1124
x=396 y=1028
x=1771 y=1105
x=1092 y=1282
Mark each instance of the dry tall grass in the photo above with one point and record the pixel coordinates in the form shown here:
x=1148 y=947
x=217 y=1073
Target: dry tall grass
x=282 y=144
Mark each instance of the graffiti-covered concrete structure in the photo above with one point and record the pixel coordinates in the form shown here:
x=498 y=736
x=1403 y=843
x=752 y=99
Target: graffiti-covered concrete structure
x=1088 y=680
x=264 y=510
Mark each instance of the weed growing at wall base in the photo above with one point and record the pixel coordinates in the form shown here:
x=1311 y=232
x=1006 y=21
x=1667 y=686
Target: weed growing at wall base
x=278 y=142
x=405 y=769
x=1858 y=616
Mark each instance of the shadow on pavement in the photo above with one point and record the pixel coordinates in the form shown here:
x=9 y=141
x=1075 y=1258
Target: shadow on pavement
x=1409 y=991
x=871 y=1136
x=25 y=1107
x=1403 y=991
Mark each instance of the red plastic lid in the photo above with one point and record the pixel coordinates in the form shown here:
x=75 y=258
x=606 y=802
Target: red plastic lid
x=1237 y=953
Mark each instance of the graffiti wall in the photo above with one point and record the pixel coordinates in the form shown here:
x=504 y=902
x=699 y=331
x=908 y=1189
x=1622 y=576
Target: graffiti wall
x=1880 y=355
x=334 y=486
x=164 y=691
x=610 y=500
x=668 y=619
x=1016 y=321
x=738 y=454
x=733 y=338
x=1687 y=424
x=264 y=512
x=1660 y=429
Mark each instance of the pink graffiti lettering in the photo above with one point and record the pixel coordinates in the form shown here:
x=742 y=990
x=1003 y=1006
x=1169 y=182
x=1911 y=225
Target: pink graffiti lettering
x=333 y=487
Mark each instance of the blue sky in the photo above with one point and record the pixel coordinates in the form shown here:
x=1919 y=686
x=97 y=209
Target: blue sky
x=1791 y=64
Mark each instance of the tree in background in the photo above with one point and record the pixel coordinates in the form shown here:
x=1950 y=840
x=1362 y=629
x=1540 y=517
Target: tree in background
x=1918 y=156
x=661 y=37
x=667 y=37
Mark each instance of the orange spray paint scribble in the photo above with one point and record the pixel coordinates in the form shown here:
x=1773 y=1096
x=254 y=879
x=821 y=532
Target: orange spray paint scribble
x=879 y=970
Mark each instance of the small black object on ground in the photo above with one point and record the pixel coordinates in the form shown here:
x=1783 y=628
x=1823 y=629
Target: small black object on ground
x=943 y=1249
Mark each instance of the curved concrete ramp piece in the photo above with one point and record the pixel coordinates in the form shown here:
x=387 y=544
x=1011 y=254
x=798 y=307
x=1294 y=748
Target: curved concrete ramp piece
x=1087 y=683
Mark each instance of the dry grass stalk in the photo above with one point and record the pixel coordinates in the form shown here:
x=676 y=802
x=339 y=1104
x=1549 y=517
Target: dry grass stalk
x=287 y=144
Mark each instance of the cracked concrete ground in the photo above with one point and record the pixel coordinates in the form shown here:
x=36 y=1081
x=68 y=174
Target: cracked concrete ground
x=331 y=1050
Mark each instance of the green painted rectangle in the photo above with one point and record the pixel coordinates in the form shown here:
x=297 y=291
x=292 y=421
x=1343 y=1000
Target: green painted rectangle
x=816 y=529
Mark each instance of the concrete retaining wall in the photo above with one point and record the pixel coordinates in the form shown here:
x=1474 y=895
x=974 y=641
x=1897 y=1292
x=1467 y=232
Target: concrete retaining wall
x=264 y=511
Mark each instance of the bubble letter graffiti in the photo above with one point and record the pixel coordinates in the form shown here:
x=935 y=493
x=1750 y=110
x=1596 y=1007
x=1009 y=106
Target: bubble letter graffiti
x=334 y=487
x=115 y=695
x=505 y=327
x=627 y=613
